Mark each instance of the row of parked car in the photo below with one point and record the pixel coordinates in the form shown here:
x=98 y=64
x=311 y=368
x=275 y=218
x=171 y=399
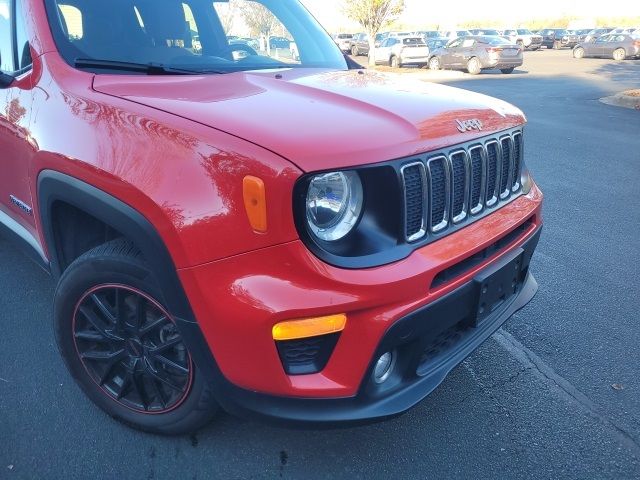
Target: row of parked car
x=478 y=49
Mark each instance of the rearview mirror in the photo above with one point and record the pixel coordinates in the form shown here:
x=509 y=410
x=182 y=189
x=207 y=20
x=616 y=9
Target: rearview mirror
x=6 y=80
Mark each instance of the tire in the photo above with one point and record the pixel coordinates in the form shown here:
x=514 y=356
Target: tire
x=473 y=66
x=578 y=52
x=354 y=51
x=395 y=62
x=619 y=54
x=556 y=45
x=434 y=63
x=118 y=341
x=507 y=70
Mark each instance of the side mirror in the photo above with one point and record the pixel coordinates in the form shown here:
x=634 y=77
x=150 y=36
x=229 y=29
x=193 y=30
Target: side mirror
x=6 y=80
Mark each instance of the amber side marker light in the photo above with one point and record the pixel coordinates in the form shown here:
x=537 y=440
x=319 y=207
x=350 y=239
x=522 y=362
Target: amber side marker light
x=310 y=327
x=255 y=202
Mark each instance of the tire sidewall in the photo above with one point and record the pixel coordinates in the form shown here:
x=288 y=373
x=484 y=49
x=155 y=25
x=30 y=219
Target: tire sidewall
x=79 y=279
x=476 y=63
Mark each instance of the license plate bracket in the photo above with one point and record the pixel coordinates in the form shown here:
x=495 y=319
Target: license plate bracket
x=497 y=284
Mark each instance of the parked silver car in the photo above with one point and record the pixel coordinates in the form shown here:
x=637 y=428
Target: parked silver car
x=477 y=53
x=616 y=46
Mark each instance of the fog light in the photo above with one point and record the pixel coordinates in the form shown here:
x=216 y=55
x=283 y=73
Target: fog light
x=384 y=367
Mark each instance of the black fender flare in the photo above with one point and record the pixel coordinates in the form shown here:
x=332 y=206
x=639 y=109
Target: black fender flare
x=55 y=186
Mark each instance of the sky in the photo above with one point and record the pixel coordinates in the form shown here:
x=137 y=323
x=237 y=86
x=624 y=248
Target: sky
x=510 y=12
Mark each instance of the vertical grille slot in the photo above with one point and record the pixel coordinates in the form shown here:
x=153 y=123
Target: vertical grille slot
x=476 y=201
x=505 y=167
x=459 y=186
x=492 y=173
x=517 y=161
x=415 y=183
x=439 y=194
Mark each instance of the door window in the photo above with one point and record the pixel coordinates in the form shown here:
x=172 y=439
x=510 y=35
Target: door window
x=6 y=50
x=22 y=41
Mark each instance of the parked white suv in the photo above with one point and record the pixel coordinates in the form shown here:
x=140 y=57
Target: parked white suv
x=523 y=37
x=398 y=52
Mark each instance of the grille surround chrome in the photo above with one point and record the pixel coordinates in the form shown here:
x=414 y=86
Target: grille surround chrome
x=507 y=171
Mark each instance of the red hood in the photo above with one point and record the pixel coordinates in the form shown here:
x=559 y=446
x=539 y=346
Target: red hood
x=322 y=120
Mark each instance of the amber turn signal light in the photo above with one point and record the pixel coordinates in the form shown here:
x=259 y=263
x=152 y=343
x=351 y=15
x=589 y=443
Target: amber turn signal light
x=310 y=327
x=255 y=202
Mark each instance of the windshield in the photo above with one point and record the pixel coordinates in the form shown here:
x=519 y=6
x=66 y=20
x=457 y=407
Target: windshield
x=192 y=35
x=524 y=31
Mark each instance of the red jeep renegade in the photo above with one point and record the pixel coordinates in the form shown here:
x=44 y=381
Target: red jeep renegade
x=238 y=223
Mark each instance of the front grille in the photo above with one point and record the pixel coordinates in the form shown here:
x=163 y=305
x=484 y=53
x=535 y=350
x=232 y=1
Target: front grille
x=460 y=183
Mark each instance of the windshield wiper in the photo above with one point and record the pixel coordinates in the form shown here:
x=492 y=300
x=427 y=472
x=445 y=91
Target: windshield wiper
x=148 y=68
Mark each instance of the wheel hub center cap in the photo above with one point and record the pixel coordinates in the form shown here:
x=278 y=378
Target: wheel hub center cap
x=134 y=348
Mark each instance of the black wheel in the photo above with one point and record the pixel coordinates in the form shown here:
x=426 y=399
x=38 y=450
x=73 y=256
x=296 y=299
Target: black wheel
x=473 y=66
x=507 y=70
x=619 y=54
x=578 y=52
x=354 y=51
x=395 y=62
x=434 y=63
x=122 y=346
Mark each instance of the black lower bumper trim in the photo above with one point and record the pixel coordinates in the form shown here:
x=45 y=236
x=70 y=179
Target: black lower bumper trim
x=416 y=373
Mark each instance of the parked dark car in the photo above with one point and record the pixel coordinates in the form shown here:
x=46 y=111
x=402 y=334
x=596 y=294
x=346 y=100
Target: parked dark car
x=485 y=31
x=618 y=47
x=582 y=34
x=596 y=33
x=428 y=34
x=477 y=53
x=434 y=44
x=279 y=42
x=360 y=44
x=570 y=39
x=552 y=37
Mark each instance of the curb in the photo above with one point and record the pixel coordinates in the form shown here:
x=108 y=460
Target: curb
x=622 y=100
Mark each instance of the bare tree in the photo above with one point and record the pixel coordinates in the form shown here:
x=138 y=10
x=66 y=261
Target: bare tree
x=227 y=14
x=259 y=19
x=373 y=15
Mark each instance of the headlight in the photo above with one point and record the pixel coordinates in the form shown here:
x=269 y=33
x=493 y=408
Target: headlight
x=334 y=204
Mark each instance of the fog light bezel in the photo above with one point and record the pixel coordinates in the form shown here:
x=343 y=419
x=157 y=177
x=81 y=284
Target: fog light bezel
x=384 y=377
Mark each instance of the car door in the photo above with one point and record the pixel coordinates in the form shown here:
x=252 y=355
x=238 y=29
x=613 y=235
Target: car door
x=16 y=145
x=596 y=48
x=613 y=42
x=449 y=53
x=604 y=48
x=464 y=52
x=383 y=53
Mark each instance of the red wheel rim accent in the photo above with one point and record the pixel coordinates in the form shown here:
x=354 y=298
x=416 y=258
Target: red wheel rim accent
x=131 y=349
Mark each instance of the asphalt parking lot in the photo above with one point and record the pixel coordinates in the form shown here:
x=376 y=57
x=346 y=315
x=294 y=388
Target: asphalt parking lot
x=554 y=394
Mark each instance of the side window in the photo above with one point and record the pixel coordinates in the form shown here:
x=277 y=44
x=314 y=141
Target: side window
x=192 y=37
x=468 y=43
x=6 y=50
x=24 y=52
x=71 y=19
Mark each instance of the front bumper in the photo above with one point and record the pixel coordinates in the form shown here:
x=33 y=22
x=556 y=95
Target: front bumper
x=428 y=343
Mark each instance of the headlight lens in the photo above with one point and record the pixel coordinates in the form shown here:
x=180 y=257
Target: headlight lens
x=334 y=204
